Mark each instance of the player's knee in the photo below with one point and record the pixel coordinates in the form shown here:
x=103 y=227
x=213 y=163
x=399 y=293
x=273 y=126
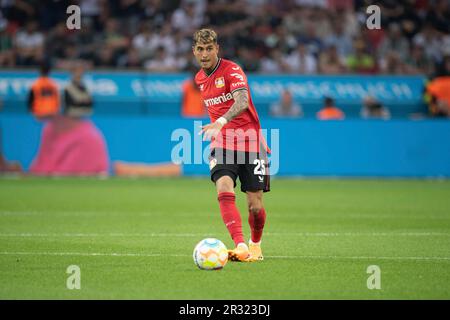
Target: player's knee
x=225 y=184
x=255 y=206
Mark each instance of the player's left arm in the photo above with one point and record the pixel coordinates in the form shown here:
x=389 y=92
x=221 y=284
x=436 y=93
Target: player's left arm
x=240 y=105
x=237 y=83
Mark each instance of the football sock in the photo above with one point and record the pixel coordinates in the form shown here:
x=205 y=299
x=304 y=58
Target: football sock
x=256 y=222
x=231 y=216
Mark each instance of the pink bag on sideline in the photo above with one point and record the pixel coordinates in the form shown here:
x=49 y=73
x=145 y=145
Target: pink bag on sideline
x=71 y=147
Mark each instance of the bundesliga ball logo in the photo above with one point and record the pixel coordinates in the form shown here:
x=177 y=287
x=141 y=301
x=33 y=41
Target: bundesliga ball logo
x=210 y=254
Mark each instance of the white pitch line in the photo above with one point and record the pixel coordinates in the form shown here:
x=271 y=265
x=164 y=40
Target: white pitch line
x=356 y=234
x=112 y=254
x=182 y=235
x=92 y=254
x=364 y=258
x=103 y=235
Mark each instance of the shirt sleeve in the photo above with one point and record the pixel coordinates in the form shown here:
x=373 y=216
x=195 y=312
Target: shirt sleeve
x=235 y=78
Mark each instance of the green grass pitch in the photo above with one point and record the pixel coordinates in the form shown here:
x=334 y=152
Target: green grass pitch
x=133 y=239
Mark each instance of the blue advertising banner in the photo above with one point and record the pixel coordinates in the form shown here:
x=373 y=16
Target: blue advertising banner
x=136 y=88
x=351 y=148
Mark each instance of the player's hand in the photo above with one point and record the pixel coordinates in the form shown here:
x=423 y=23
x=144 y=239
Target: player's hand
x=211 y=130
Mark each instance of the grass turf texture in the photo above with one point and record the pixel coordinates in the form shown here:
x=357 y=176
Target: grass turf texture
x=133 y=239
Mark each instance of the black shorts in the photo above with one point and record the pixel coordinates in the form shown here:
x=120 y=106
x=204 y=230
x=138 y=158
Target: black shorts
x=252 y=168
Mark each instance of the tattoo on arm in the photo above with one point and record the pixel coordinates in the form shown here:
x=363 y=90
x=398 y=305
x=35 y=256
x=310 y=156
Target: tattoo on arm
x=240 y=104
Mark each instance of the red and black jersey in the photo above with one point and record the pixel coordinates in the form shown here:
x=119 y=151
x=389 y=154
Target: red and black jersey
x=243 y=132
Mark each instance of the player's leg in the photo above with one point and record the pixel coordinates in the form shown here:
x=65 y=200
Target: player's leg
x=228 y=209
x=231 y=216
x=224 y=176
x=256 y=220
x=255 y=179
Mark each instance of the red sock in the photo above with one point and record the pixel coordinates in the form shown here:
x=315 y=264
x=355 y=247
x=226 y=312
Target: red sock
x=231 y=216
x=256 y=222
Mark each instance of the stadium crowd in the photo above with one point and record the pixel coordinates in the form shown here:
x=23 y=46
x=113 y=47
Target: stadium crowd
x=267 y=36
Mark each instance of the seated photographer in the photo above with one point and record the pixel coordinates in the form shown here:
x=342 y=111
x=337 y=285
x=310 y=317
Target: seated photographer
x=373 y=109
x=78 y=101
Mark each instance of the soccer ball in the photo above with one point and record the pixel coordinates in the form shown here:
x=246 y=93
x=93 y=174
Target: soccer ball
x=210 y=254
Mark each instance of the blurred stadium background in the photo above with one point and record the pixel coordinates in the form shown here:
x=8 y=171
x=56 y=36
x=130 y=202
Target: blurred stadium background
x=137 y=55
x=390 y=84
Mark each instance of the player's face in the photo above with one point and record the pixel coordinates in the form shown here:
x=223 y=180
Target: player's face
x=206 y=54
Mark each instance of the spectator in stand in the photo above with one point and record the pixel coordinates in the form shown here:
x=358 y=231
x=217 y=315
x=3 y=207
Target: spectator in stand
x=330 y=111
x=429 y=38
x=373 y=109
x=247 y=60
x=439 y=15
x=114 y=39
x=186 y=18
x=162 y=62
x=286 y=107
x=338 y=38
x=130 y=59
x=410 y=21
x=394 y=42
x=418 y=62
x=143 y=41
x=301 y=61
x=29 y=45
x=181 y=44
x=294 y=21
x=91 y=9
x=360 y=61
x=393 y=64
x=274 y=63
x=443 y=68
x=7 y=57
x=56 y=41
x=18 y=12
x=330 y=62
x=87 y=40
x=104 y=58
x=281 y=39
x=310 y=39
x=261 y=33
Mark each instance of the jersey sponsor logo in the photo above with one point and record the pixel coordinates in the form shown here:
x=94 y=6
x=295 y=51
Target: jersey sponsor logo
x=218 y=100
x=237 y=84
x=238 y=76
x=220 y=82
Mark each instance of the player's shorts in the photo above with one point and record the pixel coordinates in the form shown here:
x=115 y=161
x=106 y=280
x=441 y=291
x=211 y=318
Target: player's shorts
x=251 y=168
